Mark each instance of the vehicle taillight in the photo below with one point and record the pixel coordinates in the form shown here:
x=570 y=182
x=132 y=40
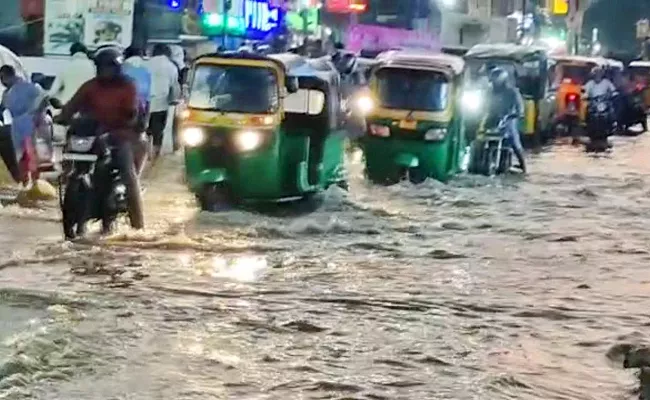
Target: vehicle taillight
x=573 y=102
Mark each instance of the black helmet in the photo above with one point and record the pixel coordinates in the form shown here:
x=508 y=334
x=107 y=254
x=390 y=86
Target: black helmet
x=108 y=57
x=347 y=63
x=498 y=76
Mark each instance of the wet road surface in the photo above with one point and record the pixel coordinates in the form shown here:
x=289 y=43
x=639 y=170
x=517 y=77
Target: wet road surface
x=507 y=288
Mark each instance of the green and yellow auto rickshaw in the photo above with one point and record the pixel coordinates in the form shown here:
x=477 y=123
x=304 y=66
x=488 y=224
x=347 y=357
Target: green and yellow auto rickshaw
x=528 y=66
x=414 y=126
x=262 y=128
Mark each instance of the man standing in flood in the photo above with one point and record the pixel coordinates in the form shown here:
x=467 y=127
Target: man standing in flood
x=165 y=91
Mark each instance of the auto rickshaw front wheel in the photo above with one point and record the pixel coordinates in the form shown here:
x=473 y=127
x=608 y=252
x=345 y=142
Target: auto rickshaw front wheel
x=215 y=197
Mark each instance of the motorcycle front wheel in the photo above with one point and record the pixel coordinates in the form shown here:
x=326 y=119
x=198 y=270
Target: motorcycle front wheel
x=75 y=208
x=491 y=160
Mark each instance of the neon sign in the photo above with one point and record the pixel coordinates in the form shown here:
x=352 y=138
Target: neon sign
x=260 y=16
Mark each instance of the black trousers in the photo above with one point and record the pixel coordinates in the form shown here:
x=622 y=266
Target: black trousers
x=157 y=125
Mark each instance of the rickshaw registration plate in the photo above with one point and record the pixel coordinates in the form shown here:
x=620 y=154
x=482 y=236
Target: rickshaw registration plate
x=406 y=124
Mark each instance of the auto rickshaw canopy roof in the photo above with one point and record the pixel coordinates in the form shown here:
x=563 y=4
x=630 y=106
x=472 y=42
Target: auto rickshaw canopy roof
x=640 y=64
x=298 y=66
x=418 y=59
x=292 y=64
x=507 y=51
x=455 y=50
x=599 y=61
x=611 y=63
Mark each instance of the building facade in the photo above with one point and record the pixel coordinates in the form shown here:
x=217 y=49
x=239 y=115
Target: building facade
x=469 y=22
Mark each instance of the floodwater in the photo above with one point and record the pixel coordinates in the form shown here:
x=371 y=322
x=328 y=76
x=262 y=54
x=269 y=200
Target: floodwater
x=506 y=288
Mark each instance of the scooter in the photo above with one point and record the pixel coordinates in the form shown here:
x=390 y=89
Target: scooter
x=90 y=187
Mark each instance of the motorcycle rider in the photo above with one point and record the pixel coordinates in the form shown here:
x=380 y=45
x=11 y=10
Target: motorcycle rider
x=111 y=100
x=600 y=86
x=506 y=100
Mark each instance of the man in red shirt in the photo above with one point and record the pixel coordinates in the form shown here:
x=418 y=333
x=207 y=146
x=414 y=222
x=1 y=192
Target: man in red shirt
x=110 y=99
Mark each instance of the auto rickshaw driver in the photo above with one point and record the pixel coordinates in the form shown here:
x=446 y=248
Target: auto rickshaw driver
x=238 y=89
x=506 y=99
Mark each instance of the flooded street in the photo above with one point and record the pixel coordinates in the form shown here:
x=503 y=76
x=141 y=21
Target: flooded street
x=507 y=288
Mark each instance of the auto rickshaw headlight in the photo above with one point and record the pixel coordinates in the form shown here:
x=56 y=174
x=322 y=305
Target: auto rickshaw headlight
x=248 y=140
x=435 y=134
x=365 y=104
x=193 y=136
x=472 y=101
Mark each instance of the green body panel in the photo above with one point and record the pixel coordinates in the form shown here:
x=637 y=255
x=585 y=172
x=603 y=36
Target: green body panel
x=278 y=170
x=387 y=158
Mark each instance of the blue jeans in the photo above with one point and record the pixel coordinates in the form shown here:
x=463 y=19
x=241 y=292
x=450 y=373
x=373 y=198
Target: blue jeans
x=512 y=134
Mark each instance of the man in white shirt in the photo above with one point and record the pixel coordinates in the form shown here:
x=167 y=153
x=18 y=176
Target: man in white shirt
x=165 y=91
x=599 y=85
x=80 y=70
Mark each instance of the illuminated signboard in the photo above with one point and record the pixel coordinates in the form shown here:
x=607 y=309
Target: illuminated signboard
x=259 y=16
x=346 y=6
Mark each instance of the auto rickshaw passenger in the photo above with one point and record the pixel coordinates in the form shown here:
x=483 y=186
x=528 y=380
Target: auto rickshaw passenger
x=506 y=99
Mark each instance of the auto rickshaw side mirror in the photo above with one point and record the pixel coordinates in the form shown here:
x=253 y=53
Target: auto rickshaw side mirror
x=292 y=84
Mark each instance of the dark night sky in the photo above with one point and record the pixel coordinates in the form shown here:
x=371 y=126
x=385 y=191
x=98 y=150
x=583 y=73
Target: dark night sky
x=616 y=20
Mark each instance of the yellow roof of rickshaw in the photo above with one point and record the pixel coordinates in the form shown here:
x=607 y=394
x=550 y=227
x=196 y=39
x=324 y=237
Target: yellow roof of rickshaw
x=421 y=59
x=641 y=64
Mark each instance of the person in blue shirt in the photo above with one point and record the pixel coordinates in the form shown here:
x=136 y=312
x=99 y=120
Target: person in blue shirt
x=134 y=67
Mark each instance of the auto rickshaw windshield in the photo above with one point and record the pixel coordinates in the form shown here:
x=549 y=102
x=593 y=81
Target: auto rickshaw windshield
x=523 y=76
x=578 y=74
x=234 y=88
x=409 y=89
x=640 y=74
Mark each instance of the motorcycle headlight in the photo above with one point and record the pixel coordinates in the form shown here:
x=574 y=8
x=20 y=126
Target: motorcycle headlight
x=365 y=104
x=193 y=136
x=601 y=107
x=248 y=140
x=435 y=134
x=81 y=144
x=472 y=101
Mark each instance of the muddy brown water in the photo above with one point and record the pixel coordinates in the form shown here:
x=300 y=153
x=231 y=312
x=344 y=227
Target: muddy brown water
x=508 y=288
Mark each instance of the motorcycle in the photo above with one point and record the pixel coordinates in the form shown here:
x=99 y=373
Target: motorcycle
x=568 y=123
x=90 y=187
x=600 y=124
x=492 y=153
